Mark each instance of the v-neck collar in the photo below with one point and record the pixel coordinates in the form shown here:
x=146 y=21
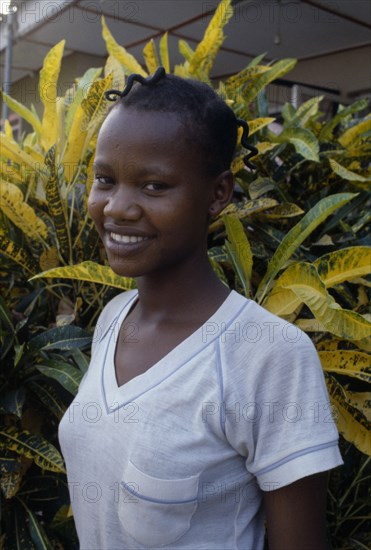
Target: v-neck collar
x=115 y=396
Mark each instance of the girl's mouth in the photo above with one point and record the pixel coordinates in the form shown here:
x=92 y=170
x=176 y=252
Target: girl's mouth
x=127 y=239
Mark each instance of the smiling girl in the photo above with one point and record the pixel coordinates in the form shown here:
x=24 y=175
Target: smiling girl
x=201 y=414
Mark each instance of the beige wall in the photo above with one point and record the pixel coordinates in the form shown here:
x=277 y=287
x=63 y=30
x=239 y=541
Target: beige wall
x=326 y=71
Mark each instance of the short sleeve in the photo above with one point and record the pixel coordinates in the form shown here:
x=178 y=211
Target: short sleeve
x=277 y=410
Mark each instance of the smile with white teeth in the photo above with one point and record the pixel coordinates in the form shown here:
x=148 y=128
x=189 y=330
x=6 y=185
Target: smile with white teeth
x=127 y=238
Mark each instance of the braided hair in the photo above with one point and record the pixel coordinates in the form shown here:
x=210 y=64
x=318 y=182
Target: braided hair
x=211 y=124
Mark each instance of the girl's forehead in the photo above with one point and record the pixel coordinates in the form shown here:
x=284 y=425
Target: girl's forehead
x=124 y=118
x=147 y=137
x=129 y=127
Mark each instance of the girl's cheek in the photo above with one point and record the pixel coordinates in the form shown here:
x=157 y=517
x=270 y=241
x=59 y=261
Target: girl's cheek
x=94 y=206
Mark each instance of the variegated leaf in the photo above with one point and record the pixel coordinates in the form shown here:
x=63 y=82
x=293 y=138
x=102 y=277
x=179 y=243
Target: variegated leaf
x=303 y=280
x=18 y=254
x=239 y=250
x=114 y=68
x=48 y=94
x=361 y=401
x=298 y=234
x=328 y=128
x=56 y=206
x=95 y=105
x=258 y=123
x=23 y=111
x=164 y=53
x=128 y=61
x=79 y=92
x=350 y=135
x=68 y=376
x=344 y=264
x=345 y=173
x=10 y=484
x=207 y=49
x=49 y=397
x=350 y=422
x=275 y=71
x=281 y=211
x=150 y=56
x=305 y=142
x=234 y=84
x=32 y=446
x=347 y=362
x=20 y=213
x=75 y=144
x=12 y=151
x=91 y=272
x=243 y=210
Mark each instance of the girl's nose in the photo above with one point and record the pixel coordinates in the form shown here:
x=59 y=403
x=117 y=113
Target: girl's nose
x=123 y=205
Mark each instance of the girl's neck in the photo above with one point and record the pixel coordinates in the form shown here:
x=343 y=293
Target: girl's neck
x=194 y=292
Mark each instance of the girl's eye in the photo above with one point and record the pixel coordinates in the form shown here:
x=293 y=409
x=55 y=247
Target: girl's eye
x=155 y=186
x=103 y=180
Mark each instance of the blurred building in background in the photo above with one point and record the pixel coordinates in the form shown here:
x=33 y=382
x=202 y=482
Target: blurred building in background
x=331 y=39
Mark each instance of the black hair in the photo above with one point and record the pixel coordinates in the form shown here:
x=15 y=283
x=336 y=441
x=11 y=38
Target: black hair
x=211 y=124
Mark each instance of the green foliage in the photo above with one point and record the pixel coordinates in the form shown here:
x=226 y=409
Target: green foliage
x=295 y=239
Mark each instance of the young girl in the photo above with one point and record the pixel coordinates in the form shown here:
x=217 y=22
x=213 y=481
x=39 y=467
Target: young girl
x=201 y=414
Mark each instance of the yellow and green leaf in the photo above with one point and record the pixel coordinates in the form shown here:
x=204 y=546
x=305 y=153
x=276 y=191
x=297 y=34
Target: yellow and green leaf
x=56 y=206
x=347 y=362
x=17 y=254
x=361 y=401
x=83 y=87
x=328 y=128
x=350 y=135
x=333 y=268
x=281 y=211
x=243 y=210
x=20 y=213
x=44 y=454
x=345 y=173
x=95 y=105
x=10 y=483
x=164 y=53
x=298 y=234
x=259 y=123
x=113 y=67
x=150 y=56
x=23 y=111
x=91 y=272
x=206 y=50
x=12 y=151
x=239 y=250
x=303 y=280
x=48 y=94
x=350 y=421
x=343 y=265
x=234 y=84
x=75 y=143
x=277 y=70
x=127 y=60
x=305 y=142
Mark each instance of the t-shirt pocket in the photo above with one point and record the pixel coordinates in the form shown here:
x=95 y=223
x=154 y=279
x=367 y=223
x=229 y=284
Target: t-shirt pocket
x=156 y=512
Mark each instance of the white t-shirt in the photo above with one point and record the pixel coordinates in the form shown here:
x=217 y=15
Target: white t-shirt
x=178 y=457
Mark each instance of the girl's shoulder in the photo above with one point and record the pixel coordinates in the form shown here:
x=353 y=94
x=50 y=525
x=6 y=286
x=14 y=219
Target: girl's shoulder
x=252 y=326
x=256 y=343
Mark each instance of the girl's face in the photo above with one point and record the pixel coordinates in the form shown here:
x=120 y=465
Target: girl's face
x=150 y=200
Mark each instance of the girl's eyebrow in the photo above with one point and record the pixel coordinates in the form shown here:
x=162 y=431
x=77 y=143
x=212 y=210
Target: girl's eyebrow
x=140 y=170
x=101 y=165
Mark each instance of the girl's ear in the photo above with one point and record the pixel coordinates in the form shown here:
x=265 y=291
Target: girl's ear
x=222 y=191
